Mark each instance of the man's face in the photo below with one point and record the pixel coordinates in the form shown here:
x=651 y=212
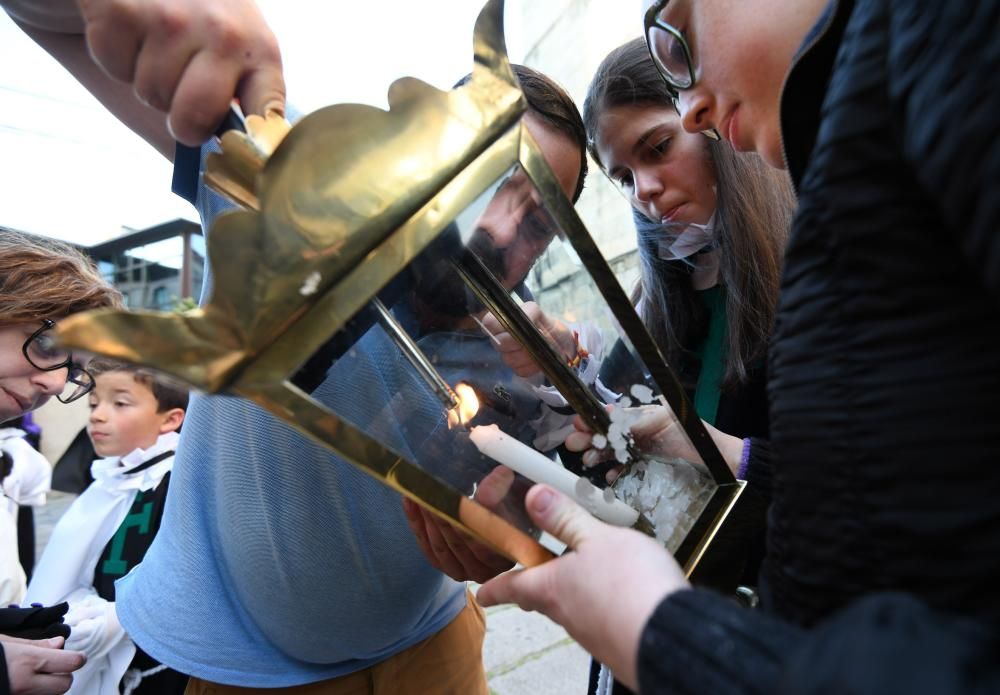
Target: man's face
x=741 y=51
x=513 y=230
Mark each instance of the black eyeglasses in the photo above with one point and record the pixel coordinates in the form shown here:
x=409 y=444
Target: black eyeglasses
x=671 y=55
x=45 y=355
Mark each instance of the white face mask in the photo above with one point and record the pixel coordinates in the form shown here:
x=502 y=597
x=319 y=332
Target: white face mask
x=681 y=240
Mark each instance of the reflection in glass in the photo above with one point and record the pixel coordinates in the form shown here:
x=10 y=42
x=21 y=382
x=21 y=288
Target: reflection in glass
x=431 y=339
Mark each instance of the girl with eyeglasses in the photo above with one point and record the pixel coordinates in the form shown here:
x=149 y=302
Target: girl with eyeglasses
x=883 y=555
x=711 y=225
x=41 y=282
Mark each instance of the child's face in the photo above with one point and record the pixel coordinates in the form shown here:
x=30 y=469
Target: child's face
x=124 y=415
x=665 y=171
x=741 y=51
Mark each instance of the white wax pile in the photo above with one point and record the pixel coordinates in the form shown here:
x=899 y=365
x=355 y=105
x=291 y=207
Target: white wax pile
x=671 y=493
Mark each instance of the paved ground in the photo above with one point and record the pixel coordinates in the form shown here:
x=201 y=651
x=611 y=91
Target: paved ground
x=528 y=653
x=524 y=652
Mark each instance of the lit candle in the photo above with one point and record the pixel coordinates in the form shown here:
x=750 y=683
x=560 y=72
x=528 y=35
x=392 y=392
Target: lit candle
x=541 y=469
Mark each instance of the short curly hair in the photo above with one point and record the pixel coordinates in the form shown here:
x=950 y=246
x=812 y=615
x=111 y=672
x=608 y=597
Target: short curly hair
x=42 y=278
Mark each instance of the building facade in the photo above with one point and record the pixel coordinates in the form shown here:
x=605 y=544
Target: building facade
x=567 y=40
x=156 y=268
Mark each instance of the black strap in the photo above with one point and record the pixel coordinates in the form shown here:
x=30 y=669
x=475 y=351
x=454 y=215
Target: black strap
x=151 y=462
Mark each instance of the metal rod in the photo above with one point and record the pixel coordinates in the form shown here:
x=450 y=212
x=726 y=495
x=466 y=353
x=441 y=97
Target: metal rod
x=414 y=355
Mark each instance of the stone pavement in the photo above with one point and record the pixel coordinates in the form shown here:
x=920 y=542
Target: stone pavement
x=528 y=653
x=523 y=653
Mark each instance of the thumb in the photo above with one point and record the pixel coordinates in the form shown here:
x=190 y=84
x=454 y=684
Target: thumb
x=491 y=324
x=557 y=514
x=263 y=91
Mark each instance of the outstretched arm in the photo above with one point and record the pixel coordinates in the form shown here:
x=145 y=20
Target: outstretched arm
x=626 y=601
x=168 y=69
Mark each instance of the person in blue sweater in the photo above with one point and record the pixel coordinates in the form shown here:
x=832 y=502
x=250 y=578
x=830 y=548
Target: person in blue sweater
x=287 y=567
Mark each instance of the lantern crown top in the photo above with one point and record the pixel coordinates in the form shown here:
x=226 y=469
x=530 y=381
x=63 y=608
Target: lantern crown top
x=318 y=196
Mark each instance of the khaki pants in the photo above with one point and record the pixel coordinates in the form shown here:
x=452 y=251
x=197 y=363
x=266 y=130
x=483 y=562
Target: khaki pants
x=447 y=663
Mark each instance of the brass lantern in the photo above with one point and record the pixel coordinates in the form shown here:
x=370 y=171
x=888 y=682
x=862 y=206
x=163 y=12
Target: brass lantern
x=349 y=299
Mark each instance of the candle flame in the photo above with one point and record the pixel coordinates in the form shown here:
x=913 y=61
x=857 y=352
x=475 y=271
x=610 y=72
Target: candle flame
x=468 y=406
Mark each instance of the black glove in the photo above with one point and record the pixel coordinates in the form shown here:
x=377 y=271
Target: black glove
x=34 y=622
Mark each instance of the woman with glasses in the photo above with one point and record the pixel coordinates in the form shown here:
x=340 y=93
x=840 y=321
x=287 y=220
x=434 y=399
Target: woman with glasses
x=883 y=556
x=41 y=282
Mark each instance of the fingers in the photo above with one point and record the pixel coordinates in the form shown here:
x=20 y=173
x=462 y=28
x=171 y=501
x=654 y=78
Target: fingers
x=650 y=419
x=58 y=661
x=442 y=556
x=416 y=521
x=202 y=98
x=189 y=58
x=579 y=441
x=584 y=441
x=612 y=475
x=50 y=643
x=56 y=684
x=432 y=545
x=475 y=561
x=494 y=487
x=459 y=556
x=559 y=515
x=263 y=90
x=115 y=33
x=491 y=324
x=159 y=66
x=556 y=332
x=523 y=587
x=514 y=354
x=37 y=667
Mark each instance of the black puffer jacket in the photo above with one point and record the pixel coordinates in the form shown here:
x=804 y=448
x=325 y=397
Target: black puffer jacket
x=884 y=377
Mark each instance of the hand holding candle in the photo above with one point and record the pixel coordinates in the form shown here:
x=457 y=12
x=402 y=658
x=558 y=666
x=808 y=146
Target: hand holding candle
x=540 y=469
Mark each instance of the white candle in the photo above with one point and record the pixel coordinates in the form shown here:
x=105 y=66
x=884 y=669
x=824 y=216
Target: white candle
x=541 y=469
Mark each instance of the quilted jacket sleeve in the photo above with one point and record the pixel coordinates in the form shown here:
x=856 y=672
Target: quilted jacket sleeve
x=700 y=642
x=944 y=81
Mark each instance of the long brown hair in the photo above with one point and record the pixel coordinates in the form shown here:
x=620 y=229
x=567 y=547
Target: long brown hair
x=754 y=206
x=42 y=278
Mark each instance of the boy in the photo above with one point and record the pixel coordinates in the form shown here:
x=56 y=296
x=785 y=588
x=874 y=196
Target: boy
x=134 y=418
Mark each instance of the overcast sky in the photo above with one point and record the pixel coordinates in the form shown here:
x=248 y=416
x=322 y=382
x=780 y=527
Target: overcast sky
x=68 y=169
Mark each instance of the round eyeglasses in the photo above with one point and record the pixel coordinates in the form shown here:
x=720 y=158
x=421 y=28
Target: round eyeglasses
x=669 y=49
x=671 y=55
x=42 y=353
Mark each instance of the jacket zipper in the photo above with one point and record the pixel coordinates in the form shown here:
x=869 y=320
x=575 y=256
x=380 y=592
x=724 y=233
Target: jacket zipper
x=781 y=96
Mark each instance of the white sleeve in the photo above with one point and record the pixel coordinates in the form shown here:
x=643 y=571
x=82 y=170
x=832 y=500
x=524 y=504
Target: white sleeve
x=31 y=477
x=12 y=580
